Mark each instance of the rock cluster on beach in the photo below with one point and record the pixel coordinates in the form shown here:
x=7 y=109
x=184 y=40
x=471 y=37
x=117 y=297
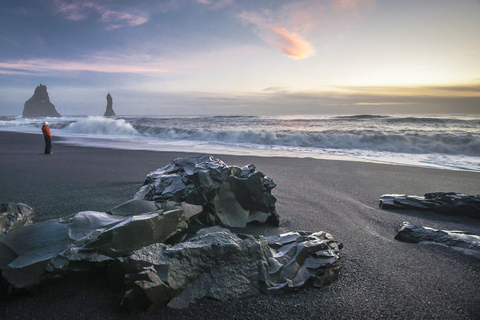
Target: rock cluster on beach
x=39 y=104
x=163 y=259
x=457 y=240
x=449 y=203
x=109 y=111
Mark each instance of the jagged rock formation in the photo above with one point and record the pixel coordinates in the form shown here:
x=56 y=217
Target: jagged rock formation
x=465 y=242
x=229 y=195
x=15 y=215
x=39 y=105
x=219 y=264
x=449 y=203
x=109 y=111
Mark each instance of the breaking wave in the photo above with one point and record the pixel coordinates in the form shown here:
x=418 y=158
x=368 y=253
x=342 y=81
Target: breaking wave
x=392 y=142
x=102 y=126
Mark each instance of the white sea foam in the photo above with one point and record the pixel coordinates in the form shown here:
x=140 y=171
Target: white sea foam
x=366 y=140
x=101 y=126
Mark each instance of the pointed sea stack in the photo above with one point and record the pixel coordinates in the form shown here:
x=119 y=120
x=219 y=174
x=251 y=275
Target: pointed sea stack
x=109 y=112
x=39 y=105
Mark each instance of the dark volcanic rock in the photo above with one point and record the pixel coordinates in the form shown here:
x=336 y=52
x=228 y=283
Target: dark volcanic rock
x=109 y=112
x=30 y=254
x=229 y=195
x=449 y=203
x=221 y=265
x=458 y=240
x=39 y=104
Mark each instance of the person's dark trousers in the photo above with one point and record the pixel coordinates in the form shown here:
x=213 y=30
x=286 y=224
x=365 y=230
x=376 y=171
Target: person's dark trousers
x=48 y=144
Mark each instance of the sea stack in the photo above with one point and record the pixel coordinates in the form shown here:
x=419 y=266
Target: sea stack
x=39 y=105
x=109 y=112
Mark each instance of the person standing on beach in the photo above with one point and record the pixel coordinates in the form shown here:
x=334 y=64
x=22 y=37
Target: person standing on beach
x=48 y=138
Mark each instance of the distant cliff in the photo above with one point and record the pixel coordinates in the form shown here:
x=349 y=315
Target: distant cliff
x=109 y=112
x=39 y=104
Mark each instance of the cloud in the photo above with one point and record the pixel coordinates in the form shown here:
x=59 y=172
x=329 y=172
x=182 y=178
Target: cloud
x=121 y=17
x=291 y=43
x=345 y=5
x=216 y=4
x=288 y=28
x=52 y=66
x=78 y=10
x=275 y=89
x=332 y=101
x=461 y=90
x=14 y=43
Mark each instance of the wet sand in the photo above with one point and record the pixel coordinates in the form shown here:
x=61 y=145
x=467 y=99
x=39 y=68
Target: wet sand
x=380 y=277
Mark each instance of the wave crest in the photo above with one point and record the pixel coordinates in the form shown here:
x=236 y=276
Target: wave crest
x=418 y=143
x=103 y=126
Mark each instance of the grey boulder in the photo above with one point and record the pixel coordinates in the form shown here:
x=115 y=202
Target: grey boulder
x=458 y=240
x=221 y=265
x=230 y=195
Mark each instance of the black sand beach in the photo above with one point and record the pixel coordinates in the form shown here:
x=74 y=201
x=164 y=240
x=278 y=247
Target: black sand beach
x=381 y=278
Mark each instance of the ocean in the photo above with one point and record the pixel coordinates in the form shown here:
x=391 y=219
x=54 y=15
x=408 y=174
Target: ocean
x=450 y=142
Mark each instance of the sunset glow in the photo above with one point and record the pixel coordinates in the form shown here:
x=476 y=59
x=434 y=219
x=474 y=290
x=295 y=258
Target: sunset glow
x=337 y=51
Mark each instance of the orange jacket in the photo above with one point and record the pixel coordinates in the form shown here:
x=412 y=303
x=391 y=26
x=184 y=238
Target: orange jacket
x=46 y=131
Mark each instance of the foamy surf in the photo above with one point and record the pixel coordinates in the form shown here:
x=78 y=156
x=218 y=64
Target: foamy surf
x=101 y=126
x=451 y=142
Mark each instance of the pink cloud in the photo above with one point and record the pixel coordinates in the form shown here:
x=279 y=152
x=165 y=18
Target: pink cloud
x=129 y=19
x=46 y=66
x=289 y=27
x=78 y=10
x=345 y=5
x=291 y=43
x=216 y=4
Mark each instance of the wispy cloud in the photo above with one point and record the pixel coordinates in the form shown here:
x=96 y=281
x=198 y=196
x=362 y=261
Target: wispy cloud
x=290 y=43
x=78 y=10
x=288 y=28
x=361 y=99
x=53 y=66
x=216 y=4
x=460 y=90
x=9 y=41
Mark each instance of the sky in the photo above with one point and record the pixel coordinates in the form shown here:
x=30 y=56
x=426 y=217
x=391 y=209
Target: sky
x=242 y=57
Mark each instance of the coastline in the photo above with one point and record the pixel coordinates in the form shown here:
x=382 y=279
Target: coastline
x=380 y=277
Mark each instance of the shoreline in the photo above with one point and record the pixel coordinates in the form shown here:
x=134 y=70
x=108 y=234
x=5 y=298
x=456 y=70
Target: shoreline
x=119 y=144
x=380 y=277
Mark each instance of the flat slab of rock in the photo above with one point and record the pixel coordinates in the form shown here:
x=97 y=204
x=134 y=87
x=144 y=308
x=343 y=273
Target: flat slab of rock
x=31 y=253
x=219 y=264
x=458 y=240
x=133 y=207
x=449 y=203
